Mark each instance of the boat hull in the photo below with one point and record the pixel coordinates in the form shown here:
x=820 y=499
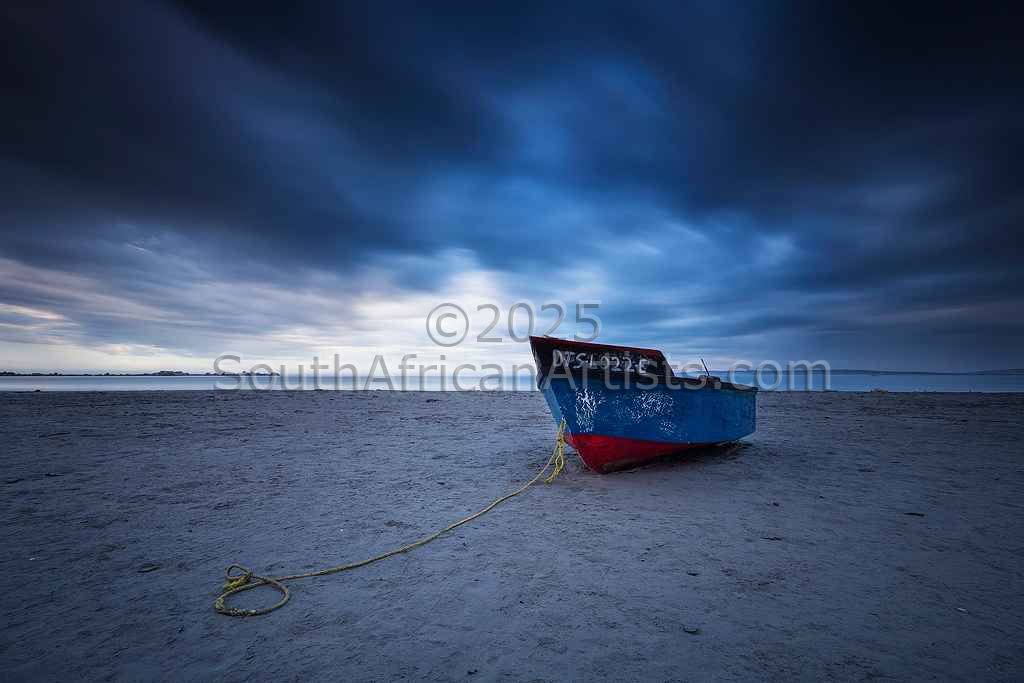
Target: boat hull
x=619 y=424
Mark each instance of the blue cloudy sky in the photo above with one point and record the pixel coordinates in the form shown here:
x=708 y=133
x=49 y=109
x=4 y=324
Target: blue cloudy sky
x=733 y=181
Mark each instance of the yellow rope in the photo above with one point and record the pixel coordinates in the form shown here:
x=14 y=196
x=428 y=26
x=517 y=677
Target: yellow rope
x=557 y=456
x=245 y=580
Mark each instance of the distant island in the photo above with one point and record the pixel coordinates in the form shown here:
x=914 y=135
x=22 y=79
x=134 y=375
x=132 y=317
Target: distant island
x=160 y=373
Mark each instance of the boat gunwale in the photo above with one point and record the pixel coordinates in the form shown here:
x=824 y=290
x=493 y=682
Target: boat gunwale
x=644 y=381
x=574 y=342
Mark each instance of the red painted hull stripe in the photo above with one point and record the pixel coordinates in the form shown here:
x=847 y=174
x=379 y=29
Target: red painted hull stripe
x=605 y=453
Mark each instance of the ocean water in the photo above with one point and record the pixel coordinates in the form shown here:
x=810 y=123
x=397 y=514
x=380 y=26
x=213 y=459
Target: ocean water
x=836 y=381
x=866 y=381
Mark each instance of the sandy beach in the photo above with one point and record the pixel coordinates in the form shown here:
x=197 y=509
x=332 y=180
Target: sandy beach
x=853 y=536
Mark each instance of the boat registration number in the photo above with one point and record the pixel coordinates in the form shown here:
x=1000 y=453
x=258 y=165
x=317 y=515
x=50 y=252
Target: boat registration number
x=616 y=362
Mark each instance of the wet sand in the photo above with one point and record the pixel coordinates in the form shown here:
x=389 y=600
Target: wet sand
x=853 y=536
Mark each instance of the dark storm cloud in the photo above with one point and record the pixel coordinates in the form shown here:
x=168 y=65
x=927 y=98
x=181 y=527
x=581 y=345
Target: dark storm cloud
x=758 y=178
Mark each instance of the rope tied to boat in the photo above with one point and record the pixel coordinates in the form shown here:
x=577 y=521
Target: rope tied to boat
x=239 y=578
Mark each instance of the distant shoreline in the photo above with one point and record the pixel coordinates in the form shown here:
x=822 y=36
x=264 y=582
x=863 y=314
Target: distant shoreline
x=162 y=373
x=178 y=373
x=1011 y=371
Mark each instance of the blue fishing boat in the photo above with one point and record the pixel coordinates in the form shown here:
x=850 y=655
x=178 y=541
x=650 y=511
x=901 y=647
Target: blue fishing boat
x=624 y=406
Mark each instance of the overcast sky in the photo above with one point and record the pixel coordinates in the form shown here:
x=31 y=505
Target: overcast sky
x=757 y=181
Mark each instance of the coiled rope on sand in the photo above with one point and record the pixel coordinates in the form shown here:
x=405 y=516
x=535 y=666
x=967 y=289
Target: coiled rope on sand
x=239 y=578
